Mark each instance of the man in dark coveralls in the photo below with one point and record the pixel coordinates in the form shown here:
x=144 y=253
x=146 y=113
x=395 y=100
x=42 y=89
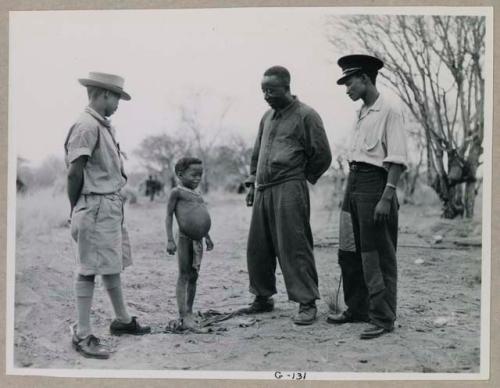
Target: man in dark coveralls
x=291 y=148
x=369 y=216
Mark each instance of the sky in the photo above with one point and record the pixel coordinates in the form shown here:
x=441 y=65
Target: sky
x=166 y=57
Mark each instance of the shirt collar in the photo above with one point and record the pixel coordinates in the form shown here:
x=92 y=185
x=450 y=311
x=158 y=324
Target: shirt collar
x=376 y=106
x=283 y=112
x=98 y=117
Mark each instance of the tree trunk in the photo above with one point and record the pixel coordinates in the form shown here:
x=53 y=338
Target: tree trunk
x=451 y=197
x=470 y=199
x=470 y=187
x=430 y=167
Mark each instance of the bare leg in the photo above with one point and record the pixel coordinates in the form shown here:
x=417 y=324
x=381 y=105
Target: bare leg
x=184 y=291
x=181 y=294
x=191 y=290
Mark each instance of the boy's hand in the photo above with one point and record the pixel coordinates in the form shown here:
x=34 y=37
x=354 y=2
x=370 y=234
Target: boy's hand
x=250 y=195
x=210 y=244
x=171 y=247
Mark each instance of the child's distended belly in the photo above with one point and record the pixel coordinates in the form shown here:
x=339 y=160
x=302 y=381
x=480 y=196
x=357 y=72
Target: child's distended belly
x=193 y=219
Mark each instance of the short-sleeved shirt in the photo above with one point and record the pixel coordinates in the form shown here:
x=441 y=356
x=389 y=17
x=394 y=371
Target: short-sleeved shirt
x=291 y=144
x=379 y=135
x=92 y=135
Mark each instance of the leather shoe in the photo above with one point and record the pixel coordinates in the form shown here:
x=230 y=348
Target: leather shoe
x=133 y=327
x=261 y=304
x=89 y=346
x=374 y=331
x=344 y=317
x=306 y=314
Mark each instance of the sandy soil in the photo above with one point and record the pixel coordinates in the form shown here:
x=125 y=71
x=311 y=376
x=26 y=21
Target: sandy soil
x=438 y=326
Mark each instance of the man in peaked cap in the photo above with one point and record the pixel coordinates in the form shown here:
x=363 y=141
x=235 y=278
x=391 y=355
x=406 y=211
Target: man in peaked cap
x=369 y=216
x=95 y=177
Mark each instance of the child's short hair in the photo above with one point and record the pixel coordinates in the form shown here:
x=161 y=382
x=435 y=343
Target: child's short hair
x=184 y=163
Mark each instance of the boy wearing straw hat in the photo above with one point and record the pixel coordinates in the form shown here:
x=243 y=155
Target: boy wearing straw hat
x=95 y=177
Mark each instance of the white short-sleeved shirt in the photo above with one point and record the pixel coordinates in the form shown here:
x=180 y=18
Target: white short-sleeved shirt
x=92 y=135
x=379 y=135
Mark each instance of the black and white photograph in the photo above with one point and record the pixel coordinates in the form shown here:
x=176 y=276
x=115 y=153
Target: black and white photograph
x=278 y=193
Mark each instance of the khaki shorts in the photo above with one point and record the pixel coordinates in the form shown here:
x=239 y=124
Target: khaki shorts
x=97 y=227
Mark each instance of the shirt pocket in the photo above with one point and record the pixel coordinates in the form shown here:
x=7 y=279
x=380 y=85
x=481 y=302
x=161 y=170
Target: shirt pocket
x=372 y=138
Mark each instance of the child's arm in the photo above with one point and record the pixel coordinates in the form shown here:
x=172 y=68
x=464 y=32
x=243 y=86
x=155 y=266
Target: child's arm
x=209 y=242
x=172 y=202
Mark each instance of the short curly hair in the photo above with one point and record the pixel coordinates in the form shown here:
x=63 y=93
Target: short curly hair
x=281 y=72
x=184 y=163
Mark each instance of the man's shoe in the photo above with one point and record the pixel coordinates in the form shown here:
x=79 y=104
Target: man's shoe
x=261 y=304
x=89 y=347
x=374 y=331
x=306 y=314
x=133 y=327
x=345 y=317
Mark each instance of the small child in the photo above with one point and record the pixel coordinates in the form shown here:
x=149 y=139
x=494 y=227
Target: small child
x=194 y=223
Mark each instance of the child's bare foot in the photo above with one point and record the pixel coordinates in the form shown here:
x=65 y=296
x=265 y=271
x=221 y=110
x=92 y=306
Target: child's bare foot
x=188 y=322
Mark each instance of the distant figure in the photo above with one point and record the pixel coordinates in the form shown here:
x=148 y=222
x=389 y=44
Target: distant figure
x=160 y=186
x=95 y=178
x=151 y=187
x=291 y=149
x=186 y=203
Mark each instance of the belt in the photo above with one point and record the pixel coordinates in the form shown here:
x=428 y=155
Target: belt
x=365 y=167
x=262 y=186
x=114 y=194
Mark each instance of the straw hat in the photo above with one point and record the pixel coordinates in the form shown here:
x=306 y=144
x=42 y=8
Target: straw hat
x=106 y=81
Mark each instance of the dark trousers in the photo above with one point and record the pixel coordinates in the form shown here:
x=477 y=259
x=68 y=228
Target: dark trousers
x=280 y=229
x=367 y=250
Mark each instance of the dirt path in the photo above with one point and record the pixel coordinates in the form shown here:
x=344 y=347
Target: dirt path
x=434 y=284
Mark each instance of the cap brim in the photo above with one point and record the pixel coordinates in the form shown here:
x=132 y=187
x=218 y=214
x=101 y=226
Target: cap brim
x=342 y=80
x=89 y=82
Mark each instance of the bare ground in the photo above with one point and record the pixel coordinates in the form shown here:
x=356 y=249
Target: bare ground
x=438 y=326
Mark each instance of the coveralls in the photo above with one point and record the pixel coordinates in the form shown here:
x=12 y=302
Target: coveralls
x=291 y=148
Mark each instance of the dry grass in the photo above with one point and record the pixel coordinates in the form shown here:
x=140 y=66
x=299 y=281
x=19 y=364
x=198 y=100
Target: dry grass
x=40 y=212
x=334 y=298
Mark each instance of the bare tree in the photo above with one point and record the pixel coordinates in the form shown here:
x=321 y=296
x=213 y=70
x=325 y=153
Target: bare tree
x=435 y=65
x=158 y=154
x=230 y=163
x=411 y=176
x=204 y=119
x=199 y=133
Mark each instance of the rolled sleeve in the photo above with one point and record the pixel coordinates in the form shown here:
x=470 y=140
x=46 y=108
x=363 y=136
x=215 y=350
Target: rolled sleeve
x=319 y=156
x=396 y=139
x=82 y=142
